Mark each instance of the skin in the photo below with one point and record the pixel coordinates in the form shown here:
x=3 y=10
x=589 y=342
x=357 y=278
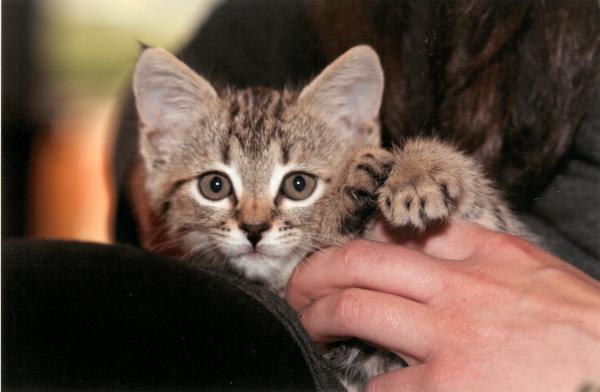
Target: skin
x=470 y=310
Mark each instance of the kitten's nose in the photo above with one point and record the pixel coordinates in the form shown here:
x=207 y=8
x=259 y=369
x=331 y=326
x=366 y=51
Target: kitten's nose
x=254 y=231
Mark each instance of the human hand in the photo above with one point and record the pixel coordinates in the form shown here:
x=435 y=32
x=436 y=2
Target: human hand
x=470 y=310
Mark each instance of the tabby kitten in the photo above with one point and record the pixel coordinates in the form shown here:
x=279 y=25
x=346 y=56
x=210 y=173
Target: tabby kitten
x=258 y=179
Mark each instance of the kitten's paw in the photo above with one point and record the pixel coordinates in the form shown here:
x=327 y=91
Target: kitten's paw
x=358 y=188
x=420 y=190
x=365 y=174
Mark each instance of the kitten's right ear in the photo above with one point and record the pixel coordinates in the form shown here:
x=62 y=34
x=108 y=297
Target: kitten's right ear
x=170 y=97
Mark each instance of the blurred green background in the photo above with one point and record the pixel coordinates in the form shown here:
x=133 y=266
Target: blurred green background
x=87 y=47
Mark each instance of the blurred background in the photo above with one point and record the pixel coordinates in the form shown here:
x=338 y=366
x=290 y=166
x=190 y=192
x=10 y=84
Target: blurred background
x=65 y=69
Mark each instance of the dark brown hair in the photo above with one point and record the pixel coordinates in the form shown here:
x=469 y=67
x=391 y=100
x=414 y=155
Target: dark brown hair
x=508 y=80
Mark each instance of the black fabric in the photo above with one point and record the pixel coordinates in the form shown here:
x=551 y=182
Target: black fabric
x=85 y=316
x=567 y=215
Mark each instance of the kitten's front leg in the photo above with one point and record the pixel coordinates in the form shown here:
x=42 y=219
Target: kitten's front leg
x=352 y=197
x=431 y=181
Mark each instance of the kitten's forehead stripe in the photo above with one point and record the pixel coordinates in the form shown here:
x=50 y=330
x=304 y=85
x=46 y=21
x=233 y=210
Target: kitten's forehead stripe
x=255 y=116
x=225 y=152
x=285 y=153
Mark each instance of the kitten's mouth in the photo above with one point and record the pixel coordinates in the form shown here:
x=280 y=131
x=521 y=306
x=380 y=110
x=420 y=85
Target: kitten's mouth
x=260 y=254
x=253 y=255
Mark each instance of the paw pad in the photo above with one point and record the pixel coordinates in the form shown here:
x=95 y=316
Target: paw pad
x=417 y=199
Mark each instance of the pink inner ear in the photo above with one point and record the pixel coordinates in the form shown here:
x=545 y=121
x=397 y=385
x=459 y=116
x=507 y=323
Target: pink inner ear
x=155 y=138
x=149 y=109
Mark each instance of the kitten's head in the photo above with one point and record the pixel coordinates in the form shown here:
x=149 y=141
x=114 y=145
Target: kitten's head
x=242 y=175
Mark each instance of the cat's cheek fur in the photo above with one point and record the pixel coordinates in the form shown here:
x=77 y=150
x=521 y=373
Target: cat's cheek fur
x=194 y=242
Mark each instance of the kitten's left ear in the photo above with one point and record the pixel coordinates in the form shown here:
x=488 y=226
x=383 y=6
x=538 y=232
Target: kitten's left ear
x=348 y=93
x=170 y=99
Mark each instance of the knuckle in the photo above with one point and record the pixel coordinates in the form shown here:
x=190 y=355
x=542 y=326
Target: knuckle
x=501 y=240
x=534 y=298
x=307 y=319
x=304 y=270
x=351 y=254
x=498 y=240
x=345 y=258
x=346 y=307
x=518 y=249
x=552 y=275
x=293 y=281
x=357 y=258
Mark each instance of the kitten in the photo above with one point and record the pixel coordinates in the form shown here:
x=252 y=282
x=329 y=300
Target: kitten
x=258 y=179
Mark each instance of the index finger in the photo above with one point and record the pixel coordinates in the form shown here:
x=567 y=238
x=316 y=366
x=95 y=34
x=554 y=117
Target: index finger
x=369 y=265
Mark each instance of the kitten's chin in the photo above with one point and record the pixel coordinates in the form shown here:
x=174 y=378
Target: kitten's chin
x=274 y=271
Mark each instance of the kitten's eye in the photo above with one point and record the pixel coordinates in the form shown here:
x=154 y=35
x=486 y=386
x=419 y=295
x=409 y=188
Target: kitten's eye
x=298 y=186
x=214 y=186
